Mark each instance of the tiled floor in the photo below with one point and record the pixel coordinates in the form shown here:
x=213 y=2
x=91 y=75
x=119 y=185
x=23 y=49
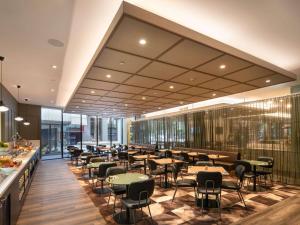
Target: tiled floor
x=183 y=210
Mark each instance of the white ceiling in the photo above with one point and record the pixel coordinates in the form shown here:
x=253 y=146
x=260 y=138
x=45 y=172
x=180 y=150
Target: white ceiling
x=26 y=26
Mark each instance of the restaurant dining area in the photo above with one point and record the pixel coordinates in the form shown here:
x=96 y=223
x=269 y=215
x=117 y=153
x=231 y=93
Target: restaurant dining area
x=149 y=112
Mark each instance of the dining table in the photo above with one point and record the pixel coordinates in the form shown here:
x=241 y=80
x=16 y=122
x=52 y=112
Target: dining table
x=166 y=162
x=214 y=157
x=144 y=158
x=125 y=179
x=195 y=155
x=255 y=164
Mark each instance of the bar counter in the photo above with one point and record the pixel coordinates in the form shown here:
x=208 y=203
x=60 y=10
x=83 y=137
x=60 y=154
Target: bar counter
x=14 y=187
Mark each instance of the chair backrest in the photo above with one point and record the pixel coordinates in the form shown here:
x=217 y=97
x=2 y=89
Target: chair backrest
x=185 y=156
x=239 y=172
x=203 y=157
x=111 y=171
x=103 y=168
x=152 y=165
x=77 y=152
x=86 y=154
x=268 y=159
x=212 y=180
x=247 y=165
x=123 y=155
x=176 y=169
x=141 y=190
x=89 y=158
x=204 y=163
x=169 y=154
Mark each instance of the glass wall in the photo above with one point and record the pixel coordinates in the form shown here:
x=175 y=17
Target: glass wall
x=71 y=131
x=51 y=133
x=59 y=130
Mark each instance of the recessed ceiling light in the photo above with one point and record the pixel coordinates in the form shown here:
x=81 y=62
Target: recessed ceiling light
x=108 y=75
x=144 y=98
x=52 y=101
x=55 y=42
x=223 y=66
x=281 y=100
x=83 y=100
x=122 y=63
x=159 y=107
x=142 y=41
x=73 y=111
x=214 y=94
x=171 y=87
x=181 y=102
x=268 y=81
x=77 y=107
x=52 y=89
x=126 y=105
x=93 y=92
x=54 y=67
x=114 y=109
x=288 y=106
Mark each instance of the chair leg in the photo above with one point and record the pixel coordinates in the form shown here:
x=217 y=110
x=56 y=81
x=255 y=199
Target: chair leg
x=150 y=214
x=201 y=204
x=108 y=198
x=174 y=193
x=115 y=204
x=242 y=198
x=133 y=216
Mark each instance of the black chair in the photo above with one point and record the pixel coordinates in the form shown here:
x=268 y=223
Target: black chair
x=134 y=165
x=182 y=182
x=101 y=174
x=154 y=170
x=168 y=154
x=202 y=157
x=239 y=173
x=138 y=196
x=184 y=156
x=267 y=170
x=123 y=158
x=248 y=170
x=75 y=155
x=116 y=190
x=86 y=162
x=204 y=163
x=209 y=183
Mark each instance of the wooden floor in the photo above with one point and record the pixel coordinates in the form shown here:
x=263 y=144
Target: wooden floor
x=56 y=197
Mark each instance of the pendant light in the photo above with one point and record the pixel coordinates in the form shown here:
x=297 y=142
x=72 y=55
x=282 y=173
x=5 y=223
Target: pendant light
x=26 y=123
x=3 y=108
x=18 y=118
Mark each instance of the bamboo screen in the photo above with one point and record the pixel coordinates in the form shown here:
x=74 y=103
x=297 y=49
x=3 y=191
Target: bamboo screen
x=269 y=127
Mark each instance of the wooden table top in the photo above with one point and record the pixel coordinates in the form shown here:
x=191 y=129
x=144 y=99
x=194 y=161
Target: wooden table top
x=257 y=162
x=139 y=157
x=132 y=152
x=196 y=169
x=214 y=156
x=126 y=178
x=167 y=161
x=176 y=152
x=195 y=153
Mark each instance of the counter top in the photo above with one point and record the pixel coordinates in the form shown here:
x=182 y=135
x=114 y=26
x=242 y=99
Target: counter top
x=5 y=184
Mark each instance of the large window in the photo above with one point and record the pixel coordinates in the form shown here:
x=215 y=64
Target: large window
x=51 y=133
x=59 y=130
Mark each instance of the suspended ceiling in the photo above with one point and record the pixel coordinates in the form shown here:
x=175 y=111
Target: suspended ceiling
x=128 y=78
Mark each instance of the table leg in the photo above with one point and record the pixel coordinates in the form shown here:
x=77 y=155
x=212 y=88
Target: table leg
x=90 y=173
x=254 y=179
x=145 y=166
x=166 y=176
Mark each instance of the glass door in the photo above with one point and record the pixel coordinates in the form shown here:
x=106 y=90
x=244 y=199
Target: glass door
x=51 y=133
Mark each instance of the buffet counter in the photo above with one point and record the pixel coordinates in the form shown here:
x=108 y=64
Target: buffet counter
x=14 y=185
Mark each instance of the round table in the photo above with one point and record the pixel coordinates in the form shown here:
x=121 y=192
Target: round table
x=125 y=179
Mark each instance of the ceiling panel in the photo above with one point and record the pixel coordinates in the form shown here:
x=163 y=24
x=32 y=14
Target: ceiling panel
x=167 y=86
x=101 y=103
x=143 y=98
x=82 y=96
x=230 y=64
x=109 y=99
x=143 y=81
x=107 y=75
x=189 y=54
x=250 y=73
x=238 y=88
x=163 y=100
x=130 y=31
x=156 y=93
x=195 y=99
x=76 y=100
x=161 y=71
x=134 y=101
x=153 y=103
x=195 y=91
x=217 y=84
x=178 y=96
x=112 y=59
x=118 y=95
x=192 y=78
x=214 y=94
x=91 y=91
x=129 y=89
x=274 y=79
x=95 y=84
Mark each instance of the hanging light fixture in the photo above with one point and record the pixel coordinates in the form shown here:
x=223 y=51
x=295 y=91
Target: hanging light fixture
x=26 y=123
x=3 y=108
x=18 y=118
